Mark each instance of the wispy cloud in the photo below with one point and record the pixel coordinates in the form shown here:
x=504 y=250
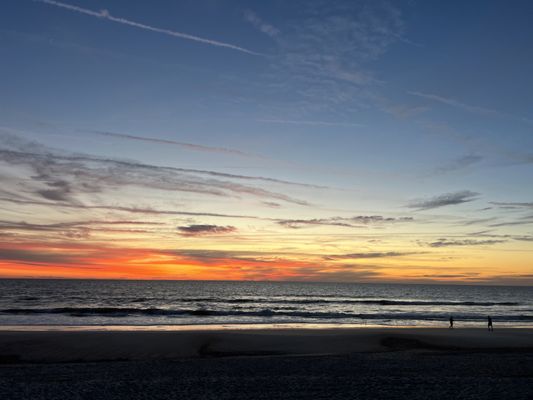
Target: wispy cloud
x=271 y=204
x=257 y=22
x=188 y=146
x=323 y=62
x=465 y=242
x=104 y=14
x=61 y=176
x=335 y=40
x=70 y=224
x=476 y=144
x=477 y=221
x=353 y=256
x=403 y=111
x=80 y=229
x=447 y=199
x=126 y=209
x=455 y=103
x=513 y=223
x=489 y=234
x=35 y=256
x=304 y=122
x=348 y=222
x=512 y=204
x=300 y=223
x=458 y=164
x=523 y=238
x=468 y=107
x=349 y=273
x=15 y=142
x=203 y=230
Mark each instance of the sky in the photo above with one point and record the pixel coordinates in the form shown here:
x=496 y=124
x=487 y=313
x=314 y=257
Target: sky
x=338 y=141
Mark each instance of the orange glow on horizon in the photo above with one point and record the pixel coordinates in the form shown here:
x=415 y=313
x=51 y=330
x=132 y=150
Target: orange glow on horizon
x=91 y=261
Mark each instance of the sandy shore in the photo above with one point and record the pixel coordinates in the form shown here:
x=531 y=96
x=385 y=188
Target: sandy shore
x=220 y=364
x=64 y=346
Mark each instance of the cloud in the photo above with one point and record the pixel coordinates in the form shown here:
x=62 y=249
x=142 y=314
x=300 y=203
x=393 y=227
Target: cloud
x=373 y=219
x=214 y=257
x=465 y=242
x=512 y=204
x=80 y=229
x=127 y=209
x=59 y=195
x=512 y=223
x=15 y=144
x=201 y=230
x=324 y=60
x=334 y=40
x=350 y=222
x=60 y=176
x=470 y=108
x=455 y=103
x=299 y=223
x=203 y=254
x=477 y=143
x=33 y=256
x=303 y=122
x=452 y=276
x=257 y=22
x=404 y=111
x=10 y=225
x=523 y=238
x=116 y=262
x=208 y=255
x=458 y=164
x=104 y=14
x=352 y=274
x=477 y=221
x=271 y=204
x=447 y=199
x=188 y=146
x=352 y=256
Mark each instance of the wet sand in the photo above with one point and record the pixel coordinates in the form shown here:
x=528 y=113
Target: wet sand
x=64 y=346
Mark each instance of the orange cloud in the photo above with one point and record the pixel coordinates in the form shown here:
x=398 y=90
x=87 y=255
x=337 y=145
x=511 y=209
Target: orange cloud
x=71 y=260
x=35 y=259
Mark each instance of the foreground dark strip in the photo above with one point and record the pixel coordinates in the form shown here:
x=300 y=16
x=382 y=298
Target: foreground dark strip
x=391 y=375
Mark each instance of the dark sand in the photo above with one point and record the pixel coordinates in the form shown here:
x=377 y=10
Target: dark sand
x=268 y=364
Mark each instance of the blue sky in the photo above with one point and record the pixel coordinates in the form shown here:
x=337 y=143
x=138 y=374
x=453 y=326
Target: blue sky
x=380 y=104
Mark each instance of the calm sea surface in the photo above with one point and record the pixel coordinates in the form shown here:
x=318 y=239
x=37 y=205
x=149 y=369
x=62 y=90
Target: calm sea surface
x=79 y=302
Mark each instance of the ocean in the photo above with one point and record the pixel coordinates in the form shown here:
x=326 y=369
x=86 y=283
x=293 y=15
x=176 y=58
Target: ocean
x=176 y=303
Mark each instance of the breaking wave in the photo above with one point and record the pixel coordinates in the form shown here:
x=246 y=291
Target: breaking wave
x=266 y=313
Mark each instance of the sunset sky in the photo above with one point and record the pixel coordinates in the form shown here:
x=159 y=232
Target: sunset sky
x=357 y=141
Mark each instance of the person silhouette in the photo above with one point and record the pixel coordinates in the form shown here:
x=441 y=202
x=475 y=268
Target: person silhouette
x=489 y=323
x=451 y=322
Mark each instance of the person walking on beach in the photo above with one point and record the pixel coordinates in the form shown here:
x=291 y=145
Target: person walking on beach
x=451 y=322
x=489 y=320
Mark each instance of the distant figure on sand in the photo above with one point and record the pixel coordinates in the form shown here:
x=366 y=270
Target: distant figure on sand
x=489 y=320
x=451 y=322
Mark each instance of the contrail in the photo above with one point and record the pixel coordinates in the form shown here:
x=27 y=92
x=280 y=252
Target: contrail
x=190 y=146
x=104 y=14
x=304 y=122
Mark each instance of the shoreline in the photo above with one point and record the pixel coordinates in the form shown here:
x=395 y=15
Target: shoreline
x=113 y=345
x=239 y=327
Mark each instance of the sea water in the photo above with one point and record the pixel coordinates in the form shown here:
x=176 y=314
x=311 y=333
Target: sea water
x=106 y=302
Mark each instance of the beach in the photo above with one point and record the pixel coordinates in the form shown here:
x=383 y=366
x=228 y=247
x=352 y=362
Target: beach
x=122 y=344
x=272 y=362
